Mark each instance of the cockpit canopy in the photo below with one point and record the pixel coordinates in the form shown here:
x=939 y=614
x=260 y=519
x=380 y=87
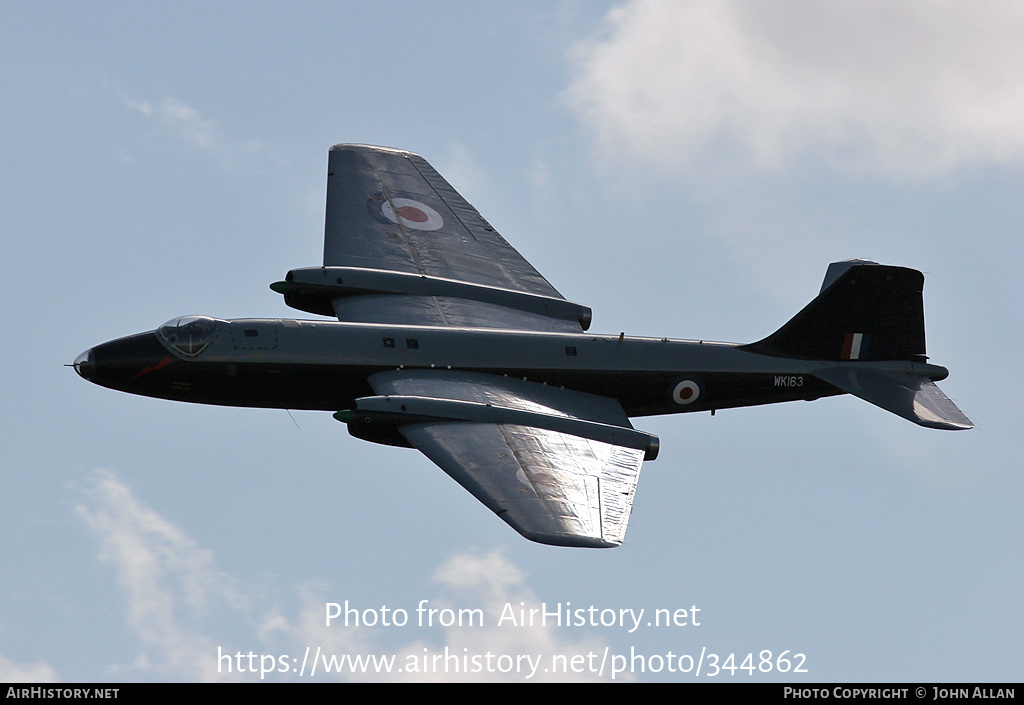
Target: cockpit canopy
x=189 y=335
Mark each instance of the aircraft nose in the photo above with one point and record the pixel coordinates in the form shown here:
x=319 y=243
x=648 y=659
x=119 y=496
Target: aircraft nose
x=85 y=365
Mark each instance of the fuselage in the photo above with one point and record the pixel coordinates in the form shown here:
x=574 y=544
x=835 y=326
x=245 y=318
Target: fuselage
x=299 y=364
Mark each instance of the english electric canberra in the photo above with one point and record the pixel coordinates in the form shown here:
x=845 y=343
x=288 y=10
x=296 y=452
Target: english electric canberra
x=448 y=341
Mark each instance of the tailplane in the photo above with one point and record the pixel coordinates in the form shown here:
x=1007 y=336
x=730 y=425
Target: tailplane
x=907 y=393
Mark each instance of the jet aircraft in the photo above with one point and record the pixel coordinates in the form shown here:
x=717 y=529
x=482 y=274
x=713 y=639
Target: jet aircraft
x=448 y=341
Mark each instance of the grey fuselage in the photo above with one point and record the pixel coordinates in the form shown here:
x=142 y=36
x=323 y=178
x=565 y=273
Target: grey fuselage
x=300 y=364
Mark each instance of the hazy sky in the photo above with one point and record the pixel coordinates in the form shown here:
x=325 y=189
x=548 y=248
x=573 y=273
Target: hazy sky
x=687 y=169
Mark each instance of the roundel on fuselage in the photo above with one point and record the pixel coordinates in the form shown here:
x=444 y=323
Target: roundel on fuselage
x=687 y=390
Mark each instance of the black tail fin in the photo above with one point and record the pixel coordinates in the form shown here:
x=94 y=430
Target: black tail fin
x=865 y=311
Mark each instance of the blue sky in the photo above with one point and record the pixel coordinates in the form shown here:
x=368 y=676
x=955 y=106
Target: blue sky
x=686 y=169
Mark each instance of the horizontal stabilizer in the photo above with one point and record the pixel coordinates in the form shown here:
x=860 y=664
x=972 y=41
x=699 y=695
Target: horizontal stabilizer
x=913 y=397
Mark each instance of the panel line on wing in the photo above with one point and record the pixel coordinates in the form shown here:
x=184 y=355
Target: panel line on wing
x=410 y=244
x=413 y=250
x=452 y=203
x=515 y=454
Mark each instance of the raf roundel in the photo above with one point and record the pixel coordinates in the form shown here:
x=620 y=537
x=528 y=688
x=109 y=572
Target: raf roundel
x=411 y=214
x=686 y=392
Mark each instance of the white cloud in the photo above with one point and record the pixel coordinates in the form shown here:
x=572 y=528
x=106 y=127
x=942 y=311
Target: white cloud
x=495 y=584
x=169 y=582
x=475 y=652
x=176 y=599
x=179 y=118
x=12 y=672
x=908 y=87
x=171 y=117
x=461 y=169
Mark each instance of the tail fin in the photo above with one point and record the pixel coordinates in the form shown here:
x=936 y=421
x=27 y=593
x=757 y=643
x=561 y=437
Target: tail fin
x=867 y=327
x=865 y=311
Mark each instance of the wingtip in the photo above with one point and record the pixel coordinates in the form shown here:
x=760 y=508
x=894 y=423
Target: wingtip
x=570 y=541
x=948 y=425
x=355 y=147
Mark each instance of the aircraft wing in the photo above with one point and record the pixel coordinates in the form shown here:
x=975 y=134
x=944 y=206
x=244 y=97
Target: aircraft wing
x=402 y=246
x=559 y=466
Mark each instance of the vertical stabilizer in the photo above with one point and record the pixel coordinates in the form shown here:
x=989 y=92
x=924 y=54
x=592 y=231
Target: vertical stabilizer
x=865 y=311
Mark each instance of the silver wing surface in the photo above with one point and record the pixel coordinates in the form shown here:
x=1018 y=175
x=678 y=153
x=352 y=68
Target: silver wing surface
x=559 y=466
x=402 y=246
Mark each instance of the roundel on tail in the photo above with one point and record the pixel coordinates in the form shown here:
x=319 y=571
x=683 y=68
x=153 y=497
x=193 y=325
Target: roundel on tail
x=687 y=390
